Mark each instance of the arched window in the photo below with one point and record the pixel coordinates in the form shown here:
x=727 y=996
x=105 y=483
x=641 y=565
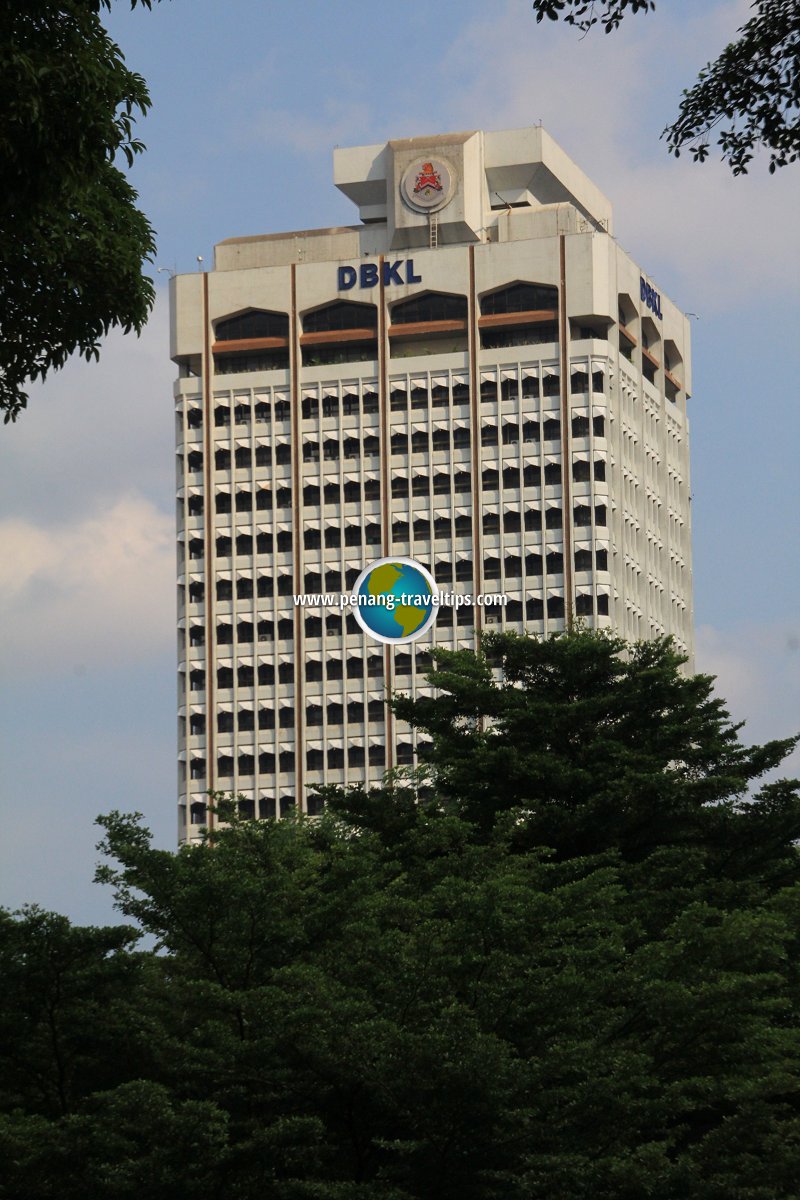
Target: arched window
x=254 y=323
x=342 y=314
x=520 y=297
x=430 y=306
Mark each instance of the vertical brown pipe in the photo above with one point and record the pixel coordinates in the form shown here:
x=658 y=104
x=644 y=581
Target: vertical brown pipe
x=297 y=555
x=566 y=437
x=386 y=496
x=209 y=558
x=475 y=442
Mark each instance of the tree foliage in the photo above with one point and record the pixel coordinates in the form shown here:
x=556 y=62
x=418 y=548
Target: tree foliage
x=72 y=241
x=749 y=95
x=439 y=990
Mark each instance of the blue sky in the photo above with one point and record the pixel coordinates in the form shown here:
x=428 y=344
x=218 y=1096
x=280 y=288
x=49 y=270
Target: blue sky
x=249 y=98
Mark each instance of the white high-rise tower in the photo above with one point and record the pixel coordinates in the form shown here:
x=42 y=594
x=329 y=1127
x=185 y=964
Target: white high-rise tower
x=477 y=377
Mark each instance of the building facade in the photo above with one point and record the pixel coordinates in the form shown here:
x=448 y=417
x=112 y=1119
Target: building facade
x=477 y=377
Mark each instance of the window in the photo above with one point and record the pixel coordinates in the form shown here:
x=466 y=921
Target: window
x=244 y=631
x=197 y=769
x=431 y=306
x=232 y=363
x=342 y=314
x=520 y=297
x=580 y=427
x=266 y=719
x=254 y=323
x=195 y=505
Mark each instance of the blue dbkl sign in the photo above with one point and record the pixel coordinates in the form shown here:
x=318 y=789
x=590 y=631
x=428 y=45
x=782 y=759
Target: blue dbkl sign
x=650 y=297
x=367 y=275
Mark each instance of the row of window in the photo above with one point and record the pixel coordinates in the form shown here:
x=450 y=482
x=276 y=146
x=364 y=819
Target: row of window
x=342 y=315
x=284 y=761
x=267 y=808
x=441 y=528
x=418 y=396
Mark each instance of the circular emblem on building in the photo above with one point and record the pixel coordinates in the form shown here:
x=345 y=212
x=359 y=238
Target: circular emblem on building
x=427 y=184
x=396 y=600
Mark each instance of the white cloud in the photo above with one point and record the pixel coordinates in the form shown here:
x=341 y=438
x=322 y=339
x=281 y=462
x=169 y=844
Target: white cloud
x=758 y=675
x=95 y=429
x=605 y=99
x=98 y=591
x=310 y=134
